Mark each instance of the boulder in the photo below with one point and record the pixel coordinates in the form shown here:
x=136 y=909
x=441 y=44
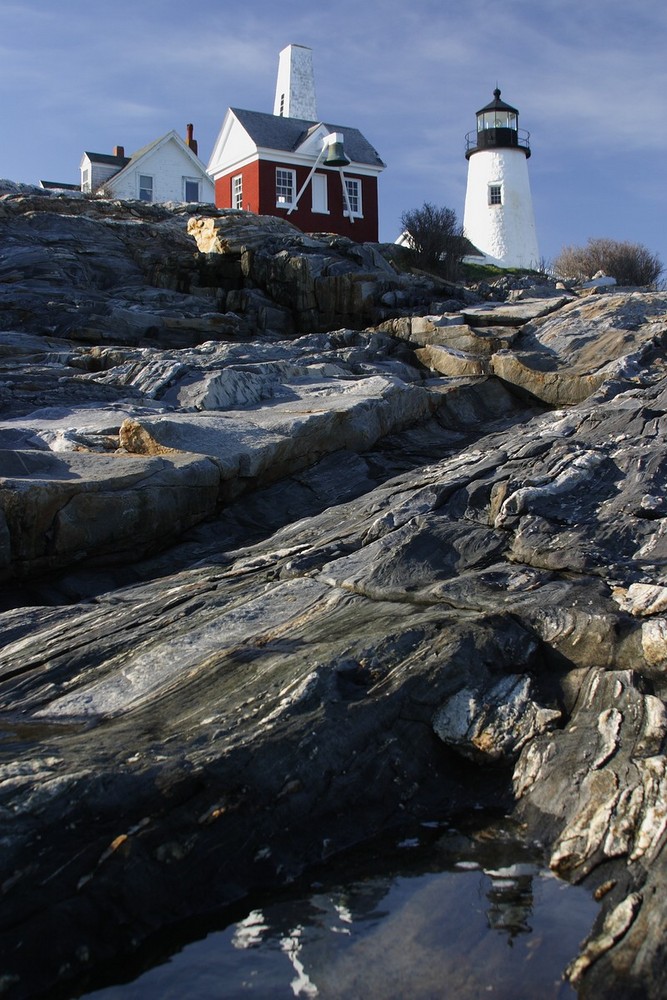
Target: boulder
x=63 y=508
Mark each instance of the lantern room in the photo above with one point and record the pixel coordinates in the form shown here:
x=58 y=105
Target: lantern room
x=497 y=127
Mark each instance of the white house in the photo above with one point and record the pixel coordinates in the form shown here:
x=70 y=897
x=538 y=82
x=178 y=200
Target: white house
x=167 y=169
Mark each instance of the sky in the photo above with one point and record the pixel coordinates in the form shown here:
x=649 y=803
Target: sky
x=589 y=78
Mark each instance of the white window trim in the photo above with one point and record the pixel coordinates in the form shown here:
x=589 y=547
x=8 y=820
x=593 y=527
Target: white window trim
x=286 y=204
x=191 y=180
x=359 y=214
x=314 y=209
x=237 y=191
x=140 y=186
x=85 y=179
x=495 y=186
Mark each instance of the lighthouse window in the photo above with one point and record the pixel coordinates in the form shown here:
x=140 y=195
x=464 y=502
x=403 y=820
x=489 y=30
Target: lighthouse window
x=496 y=119
x=495 y=194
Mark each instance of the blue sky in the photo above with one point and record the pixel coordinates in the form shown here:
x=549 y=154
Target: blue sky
x=589 y=78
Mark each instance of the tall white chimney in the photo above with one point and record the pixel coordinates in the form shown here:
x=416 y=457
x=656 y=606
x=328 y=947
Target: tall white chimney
x=295 y=86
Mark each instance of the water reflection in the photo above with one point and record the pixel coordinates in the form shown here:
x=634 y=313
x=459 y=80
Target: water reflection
x=442 y=915
x=511 y=899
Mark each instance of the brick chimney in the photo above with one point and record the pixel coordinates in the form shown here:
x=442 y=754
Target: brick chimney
x=189 y=141
x=119 y=151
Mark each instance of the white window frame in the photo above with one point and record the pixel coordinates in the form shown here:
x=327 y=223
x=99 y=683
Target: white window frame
x=142 y=186
x=191 y=180
x=353 y=186
x=285 y=184
x=495 y=195
x=237 y=191
x=85 y=179
x=320 y=194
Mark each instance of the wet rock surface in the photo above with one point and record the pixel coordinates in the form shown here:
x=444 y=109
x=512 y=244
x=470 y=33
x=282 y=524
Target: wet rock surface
x=268 y=595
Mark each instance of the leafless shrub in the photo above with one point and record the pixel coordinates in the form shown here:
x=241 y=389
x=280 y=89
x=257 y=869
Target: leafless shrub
x=437 y=238
x=629 y=263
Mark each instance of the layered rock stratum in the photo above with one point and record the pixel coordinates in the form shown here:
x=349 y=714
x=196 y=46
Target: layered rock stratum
x=297 y=547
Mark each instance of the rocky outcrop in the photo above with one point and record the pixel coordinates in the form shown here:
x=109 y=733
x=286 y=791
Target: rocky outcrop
x=94 y=271
x=563 y=359
x=248 y=415
x=301 y=590
x=321 y=282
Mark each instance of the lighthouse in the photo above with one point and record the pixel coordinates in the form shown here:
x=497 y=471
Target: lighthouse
x=498 y=216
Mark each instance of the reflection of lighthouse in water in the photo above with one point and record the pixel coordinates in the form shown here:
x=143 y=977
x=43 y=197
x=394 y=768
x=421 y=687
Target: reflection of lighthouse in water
x=511 y=899
x=498 y=216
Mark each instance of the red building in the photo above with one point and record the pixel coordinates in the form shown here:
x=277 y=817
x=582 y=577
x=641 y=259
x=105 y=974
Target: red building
x=321 y=177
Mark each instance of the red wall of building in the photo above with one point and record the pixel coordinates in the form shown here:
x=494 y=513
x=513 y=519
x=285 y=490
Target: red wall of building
x=259 y=195
x=251 y=199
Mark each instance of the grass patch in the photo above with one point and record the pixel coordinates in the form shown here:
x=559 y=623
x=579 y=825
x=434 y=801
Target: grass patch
x=489 y=272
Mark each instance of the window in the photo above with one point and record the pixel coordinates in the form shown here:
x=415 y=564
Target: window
x=495 y=194
x=190 y=189
x=85 y=179
x=353 y=188
x=237 y=191
x=282 y=105
x=320 y=200
x=285 y=187
x=145 y=187
x=496 y=119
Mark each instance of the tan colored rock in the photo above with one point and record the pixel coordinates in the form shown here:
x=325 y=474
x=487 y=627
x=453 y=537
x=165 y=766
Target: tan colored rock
x=536 y=374
x=448 y=361
x=233 y=231
x=136 y=440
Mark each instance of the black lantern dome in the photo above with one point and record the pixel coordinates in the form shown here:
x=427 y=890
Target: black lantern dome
x=497 y=128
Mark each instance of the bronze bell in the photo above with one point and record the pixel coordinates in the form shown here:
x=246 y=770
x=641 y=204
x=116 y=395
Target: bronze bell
x=336 y=155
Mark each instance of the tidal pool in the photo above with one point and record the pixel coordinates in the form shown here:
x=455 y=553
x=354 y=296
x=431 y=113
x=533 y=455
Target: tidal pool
x=438 y=914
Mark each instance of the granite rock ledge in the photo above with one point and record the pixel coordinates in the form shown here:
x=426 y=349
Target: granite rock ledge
x=273 y=589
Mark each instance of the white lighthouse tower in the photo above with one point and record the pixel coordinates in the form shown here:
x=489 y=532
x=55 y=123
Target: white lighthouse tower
x=498 y=216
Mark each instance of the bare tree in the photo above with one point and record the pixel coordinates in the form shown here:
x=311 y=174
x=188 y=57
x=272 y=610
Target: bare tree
x=629 y=263
x=437 y=238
